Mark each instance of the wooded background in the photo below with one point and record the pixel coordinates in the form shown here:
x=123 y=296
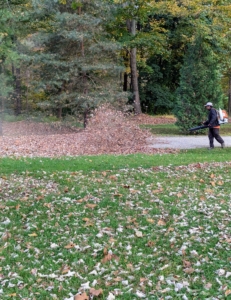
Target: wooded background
x=63 y=58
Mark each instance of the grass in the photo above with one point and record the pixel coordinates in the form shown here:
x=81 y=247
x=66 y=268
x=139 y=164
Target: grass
x=136 y=226
x=171 y=129
x=110 y=162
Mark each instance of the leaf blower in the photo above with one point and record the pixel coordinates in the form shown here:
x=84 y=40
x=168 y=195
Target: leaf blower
x=222 y=118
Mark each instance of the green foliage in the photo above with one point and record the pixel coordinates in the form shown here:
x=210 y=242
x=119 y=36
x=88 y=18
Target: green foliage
x=155 y=86
x=199 y=84
x=78 y=65
x=74 y=49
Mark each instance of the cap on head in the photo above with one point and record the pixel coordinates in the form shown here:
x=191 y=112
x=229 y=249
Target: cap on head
x=209 y=104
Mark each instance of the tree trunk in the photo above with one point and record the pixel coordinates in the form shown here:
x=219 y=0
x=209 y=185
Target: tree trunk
x=85 y=117
x=60 y=112
x=125 y=85
x=134 y=74
x=27 y=92
x=18 y=103
x=84 y=80
x=1 y=117
x=229 y=103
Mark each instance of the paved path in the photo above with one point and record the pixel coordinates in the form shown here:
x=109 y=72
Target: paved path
x=186 y=142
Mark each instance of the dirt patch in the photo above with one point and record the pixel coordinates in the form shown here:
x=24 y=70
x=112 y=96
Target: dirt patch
x=108 y=132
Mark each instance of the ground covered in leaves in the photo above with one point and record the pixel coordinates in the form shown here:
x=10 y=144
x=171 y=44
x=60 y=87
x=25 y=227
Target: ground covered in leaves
x=108 y=132
x=157 y=233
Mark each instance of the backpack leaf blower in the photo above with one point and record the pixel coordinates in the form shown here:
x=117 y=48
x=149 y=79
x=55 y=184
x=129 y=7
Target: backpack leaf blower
x=222 y=118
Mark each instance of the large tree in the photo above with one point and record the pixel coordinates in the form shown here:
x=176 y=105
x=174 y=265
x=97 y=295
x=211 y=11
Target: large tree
x=78 y=64
x=129 y=27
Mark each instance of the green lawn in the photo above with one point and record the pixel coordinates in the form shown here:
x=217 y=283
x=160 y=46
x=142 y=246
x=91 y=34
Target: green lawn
x=134 y=226
x=110 y=162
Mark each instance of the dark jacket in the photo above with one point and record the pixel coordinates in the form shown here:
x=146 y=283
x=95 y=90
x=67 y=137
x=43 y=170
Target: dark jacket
x=212 y=118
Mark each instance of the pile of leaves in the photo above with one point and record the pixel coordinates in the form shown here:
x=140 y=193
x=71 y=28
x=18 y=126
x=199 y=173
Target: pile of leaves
x=108 y=132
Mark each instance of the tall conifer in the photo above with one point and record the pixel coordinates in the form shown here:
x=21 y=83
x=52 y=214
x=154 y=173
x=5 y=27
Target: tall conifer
x=199 y=84
x=78 y=64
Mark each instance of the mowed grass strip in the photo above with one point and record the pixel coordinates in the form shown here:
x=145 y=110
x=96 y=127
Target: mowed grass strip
x=134 y=232
x=110 y=162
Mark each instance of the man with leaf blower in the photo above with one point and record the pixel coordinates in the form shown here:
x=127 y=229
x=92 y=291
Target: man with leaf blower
x=214 y=126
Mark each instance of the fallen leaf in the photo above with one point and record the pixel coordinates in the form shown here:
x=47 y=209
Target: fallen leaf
x=112 y=240
x=227 y=293
x=129 y=266
x=109 y=256
x=209 y=191
x=96 y=293
x=70 y=246
x=118 y=279
x=134 y=191
x=151 y=244
x=171 y=229
x=189 y=270
x=80 y=201
x=161 y=222
x=143 y=279
x=157 y=191
x=150 y=221
x=208 y=286
x=82 y=296
x=33 y=234
x=111 y=297
x=139 y=234
x=6 y=236
x=86 y=219
x=65 y=269
x=187 y=264
x=91 y=206
x=118 y=195
x=220 y=182
x=126 y=186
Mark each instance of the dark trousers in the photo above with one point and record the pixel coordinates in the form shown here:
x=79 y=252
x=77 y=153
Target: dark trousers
x=214 y=133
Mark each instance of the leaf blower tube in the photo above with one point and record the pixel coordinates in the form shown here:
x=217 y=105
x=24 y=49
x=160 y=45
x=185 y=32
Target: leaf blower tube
x=198 y=127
